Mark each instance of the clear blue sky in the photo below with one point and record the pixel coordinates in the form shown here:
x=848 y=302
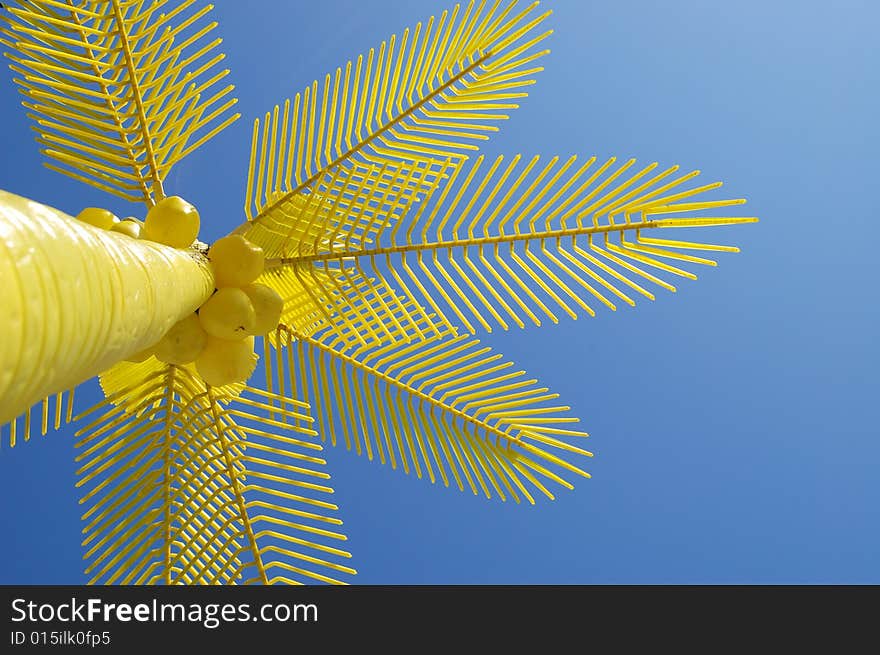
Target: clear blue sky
x=732 y=422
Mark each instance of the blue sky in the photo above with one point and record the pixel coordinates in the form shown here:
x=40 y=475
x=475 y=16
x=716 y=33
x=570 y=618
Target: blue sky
x=731 y=421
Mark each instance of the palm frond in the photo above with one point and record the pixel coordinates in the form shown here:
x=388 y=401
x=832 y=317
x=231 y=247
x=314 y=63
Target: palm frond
x=283 y=490
x=195 y=485
x=145 y=473
x=444 y=407
x=429 y=96
x=522 y=241
x=119 y=91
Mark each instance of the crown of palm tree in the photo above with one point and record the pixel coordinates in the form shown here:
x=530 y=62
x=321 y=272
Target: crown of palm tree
x=390 y=244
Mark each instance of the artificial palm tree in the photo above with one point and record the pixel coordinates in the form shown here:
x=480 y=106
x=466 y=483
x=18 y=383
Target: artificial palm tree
x=389 y=243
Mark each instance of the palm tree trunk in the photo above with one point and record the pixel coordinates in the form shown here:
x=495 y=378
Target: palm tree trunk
x=75 y=299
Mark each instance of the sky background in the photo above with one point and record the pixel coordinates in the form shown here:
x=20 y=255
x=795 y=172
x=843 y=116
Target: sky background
x=731 y=422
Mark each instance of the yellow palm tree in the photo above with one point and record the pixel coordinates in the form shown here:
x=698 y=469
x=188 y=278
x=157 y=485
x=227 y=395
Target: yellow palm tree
x=390 y=245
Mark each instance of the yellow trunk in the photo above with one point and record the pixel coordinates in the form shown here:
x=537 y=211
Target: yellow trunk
x=75 y=299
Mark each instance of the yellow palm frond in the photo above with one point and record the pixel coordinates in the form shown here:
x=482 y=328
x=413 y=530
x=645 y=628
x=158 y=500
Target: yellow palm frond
x=445 y=408
x=523 y=240
x=426 y=97
x=283 y=489
x=119 y=91
x=187 y=484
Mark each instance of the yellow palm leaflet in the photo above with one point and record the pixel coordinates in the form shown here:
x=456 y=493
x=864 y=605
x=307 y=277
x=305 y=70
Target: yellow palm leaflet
x=120 y=91
x=191 y=485
x=52 y=413
x=516 y=241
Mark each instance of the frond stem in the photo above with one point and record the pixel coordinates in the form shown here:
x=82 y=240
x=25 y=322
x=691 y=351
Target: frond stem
x=280 y=262
x=363 y=144
x=166 y=482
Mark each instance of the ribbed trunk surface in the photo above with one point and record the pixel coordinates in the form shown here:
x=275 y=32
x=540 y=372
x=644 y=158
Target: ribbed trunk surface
x=75 y=299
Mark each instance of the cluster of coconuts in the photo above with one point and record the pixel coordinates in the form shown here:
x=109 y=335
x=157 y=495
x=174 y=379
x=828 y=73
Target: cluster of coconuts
x=219 y=337
x=172 y=221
